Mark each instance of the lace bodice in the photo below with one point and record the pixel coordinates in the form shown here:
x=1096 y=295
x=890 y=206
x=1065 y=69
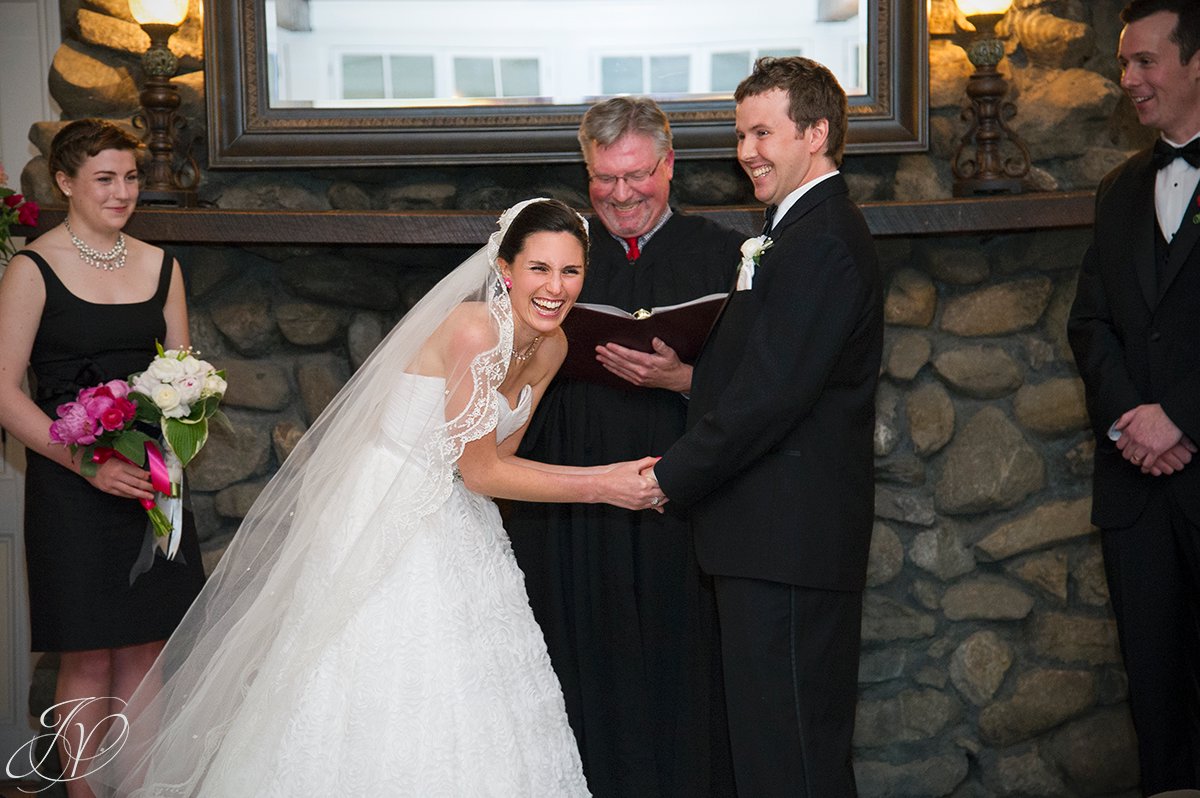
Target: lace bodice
x=409 y=408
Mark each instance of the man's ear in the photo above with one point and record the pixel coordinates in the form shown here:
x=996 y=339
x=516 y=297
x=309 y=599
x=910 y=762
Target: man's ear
x=817 y=137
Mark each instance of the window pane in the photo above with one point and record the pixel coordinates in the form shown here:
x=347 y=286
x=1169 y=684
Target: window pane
x=474 y=77
x=669 y=73
x=780 y=52
x=519 y=77
x=621 y=75
x=362 y=77
x=728 y=69
x=412 y=76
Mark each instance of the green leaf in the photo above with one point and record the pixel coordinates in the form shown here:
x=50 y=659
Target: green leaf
x=223 y=420
x=132 y=444
x=185 y=439
x=87 y=467
x=158 y=348
x=146 y=409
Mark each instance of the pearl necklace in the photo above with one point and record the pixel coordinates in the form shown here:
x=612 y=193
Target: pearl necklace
x=528 y=351
x=108 y=261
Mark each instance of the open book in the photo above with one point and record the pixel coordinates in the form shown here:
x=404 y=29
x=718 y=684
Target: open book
x=683 y=327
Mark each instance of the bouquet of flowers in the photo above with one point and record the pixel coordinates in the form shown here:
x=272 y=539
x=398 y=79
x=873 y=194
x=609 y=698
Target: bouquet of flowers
x=179 y=393
x=14 y=209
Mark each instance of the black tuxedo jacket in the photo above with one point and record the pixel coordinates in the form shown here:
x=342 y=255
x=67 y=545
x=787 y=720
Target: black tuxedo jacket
x=777 y=464
x=1135 y=341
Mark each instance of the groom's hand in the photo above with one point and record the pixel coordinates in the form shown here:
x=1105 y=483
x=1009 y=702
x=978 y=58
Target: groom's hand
x=661 y=368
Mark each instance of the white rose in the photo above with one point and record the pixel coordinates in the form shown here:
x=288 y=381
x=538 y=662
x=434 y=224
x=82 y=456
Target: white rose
x=192 y=367
x=189 y=389
x=166 y=398
x=165 y=369
x=751 y=246
x=214 y=385
x=144 y=384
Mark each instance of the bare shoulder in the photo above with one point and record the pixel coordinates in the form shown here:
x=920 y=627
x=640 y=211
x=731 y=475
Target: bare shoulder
x=21 y=277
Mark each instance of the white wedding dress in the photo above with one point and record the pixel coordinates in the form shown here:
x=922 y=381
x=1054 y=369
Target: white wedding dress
x=436 y=684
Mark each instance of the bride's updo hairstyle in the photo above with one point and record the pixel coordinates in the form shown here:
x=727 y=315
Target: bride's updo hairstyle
x=547 y=216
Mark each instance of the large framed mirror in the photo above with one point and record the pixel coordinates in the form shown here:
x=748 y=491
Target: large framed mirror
x=320 y=83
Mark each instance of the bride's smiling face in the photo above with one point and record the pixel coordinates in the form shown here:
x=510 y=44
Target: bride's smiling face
x=547 y=276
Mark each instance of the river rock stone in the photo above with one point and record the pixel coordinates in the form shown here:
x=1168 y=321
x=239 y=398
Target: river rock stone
x=319 y=379
x=930 y=415
x=229 y=456
x=1063 y=112
x=84 y=83
x=886 y=557
x=236 y=500
x=1042 y=700
x=1091 y=585
x=900 y=468
x=918 y=778
x=1021 y=774
x=346 y=196
x=1047 y=570
x=284 y=437
x=420 y=196
x=887 y=619
x=986 y=598
x=1073 y=638
x=983 y=372
x=1097 y=754
x=308 y=323
x=349 y=284
x=115 y=34
x=941 y=552
x=997 y=309
x=1053 y=407
x=882 y=666
x=364 y=334
x=266 y=193
x=1046 y=525
x=911 y=716
x=907 y=355
x=246 y=320
x=989 y=466
x=908 y=506
x=911 y=299
x=887 y=427
x=978 y=666
x=256 y=384
x=957 y=265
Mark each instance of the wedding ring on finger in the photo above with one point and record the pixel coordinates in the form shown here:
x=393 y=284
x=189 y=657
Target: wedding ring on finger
x=654 y=501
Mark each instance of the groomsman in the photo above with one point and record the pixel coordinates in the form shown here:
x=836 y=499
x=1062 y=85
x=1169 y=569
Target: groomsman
x=1134 y=331
x=777 y=464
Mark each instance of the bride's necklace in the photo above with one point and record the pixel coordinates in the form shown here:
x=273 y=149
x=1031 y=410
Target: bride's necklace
x=108 y=261
x=528 y=351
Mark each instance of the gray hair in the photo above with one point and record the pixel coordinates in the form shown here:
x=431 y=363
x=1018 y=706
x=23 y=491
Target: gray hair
x=606 y=122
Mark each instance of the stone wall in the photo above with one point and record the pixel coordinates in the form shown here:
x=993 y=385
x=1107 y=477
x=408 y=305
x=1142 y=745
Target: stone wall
x=990 y=665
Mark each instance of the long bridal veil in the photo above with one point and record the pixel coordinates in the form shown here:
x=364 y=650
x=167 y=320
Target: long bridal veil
x=296 y=565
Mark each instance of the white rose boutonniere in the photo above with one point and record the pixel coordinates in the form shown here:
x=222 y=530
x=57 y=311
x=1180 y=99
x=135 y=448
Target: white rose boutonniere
x=752 y=250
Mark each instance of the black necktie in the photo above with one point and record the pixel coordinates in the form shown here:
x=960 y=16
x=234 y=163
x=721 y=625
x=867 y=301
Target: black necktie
x=1164 y=153
x=768 y=218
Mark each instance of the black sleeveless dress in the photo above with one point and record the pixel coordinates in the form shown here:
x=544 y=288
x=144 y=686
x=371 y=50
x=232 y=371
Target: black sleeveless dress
x=80 y=543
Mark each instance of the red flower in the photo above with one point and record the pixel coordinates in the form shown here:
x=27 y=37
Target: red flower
x=27 y=214
x=13 y=200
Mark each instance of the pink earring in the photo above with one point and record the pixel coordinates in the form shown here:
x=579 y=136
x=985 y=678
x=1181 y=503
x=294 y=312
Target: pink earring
x=508 y=283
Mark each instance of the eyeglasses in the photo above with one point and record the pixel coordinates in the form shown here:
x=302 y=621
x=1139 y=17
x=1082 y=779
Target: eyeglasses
x=630 y=178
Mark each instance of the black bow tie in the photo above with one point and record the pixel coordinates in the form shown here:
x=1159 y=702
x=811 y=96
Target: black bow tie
x=769 y=218
x=1164 y=153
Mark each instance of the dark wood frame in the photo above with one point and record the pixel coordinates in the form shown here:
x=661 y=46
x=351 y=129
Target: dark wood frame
x=246 y=133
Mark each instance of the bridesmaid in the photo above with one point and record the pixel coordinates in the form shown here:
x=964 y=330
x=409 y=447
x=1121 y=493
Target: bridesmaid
x=84 y=304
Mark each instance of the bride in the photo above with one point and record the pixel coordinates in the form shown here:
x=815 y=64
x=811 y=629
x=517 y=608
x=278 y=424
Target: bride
x=368 y=632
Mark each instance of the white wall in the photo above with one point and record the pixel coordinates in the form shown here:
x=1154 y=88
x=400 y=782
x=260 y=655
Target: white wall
x=29 y=36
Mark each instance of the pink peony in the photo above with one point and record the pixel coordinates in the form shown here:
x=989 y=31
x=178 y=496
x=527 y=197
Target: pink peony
x=74 y=426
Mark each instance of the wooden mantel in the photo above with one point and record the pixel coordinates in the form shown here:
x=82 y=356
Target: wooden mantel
x=887 y=219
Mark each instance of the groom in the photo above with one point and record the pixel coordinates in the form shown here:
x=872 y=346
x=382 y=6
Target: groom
x=776 y=466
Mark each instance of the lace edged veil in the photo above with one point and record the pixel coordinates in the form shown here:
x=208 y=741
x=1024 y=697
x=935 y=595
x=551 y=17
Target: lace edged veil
x=283 y=588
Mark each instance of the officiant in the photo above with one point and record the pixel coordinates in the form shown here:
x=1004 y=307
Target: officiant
x=629 y=620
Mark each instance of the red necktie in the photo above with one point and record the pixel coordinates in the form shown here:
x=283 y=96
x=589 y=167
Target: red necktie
x=633 y=253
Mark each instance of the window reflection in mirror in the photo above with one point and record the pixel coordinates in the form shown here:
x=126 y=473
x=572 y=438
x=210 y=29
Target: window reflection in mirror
x=410 y=53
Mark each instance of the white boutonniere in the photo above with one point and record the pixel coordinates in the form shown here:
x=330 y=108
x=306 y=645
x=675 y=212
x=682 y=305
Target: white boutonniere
x=752 y=250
